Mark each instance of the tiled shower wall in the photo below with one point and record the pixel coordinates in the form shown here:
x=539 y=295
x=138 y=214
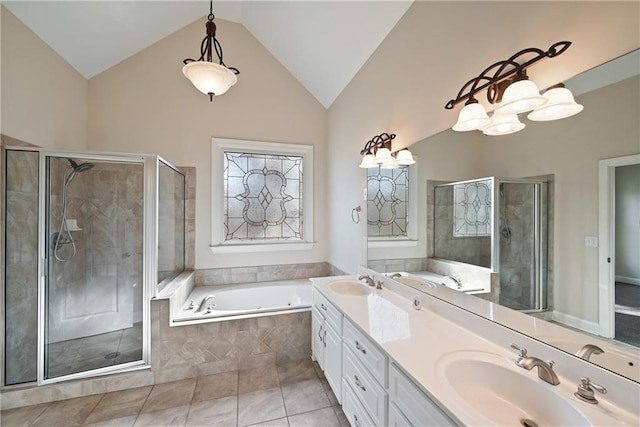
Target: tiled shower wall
x=21 y=268
x=474 y=250
x=106 y=272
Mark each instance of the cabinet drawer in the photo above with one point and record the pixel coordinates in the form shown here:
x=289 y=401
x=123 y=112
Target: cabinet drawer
x=416 y=406
x=328 y=310
x=372 y=396
x=366 y=351
x=353 y=410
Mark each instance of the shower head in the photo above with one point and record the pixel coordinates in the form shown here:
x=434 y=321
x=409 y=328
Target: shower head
x=82 y=167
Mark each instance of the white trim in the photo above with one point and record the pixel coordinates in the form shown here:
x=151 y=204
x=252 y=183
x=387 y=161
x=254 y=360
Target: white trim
x=218 y=146
x=391 y=243
x=260 y=247
x=606 y=250
x=575 y=322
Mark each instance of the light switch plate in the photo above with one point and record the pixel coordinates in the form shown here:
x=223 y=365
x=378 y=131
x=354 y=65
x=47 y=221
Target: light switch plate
x=591 y=241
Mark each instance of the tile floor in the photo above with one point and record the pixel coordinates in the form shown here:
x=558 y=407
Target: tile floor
x=295 y=394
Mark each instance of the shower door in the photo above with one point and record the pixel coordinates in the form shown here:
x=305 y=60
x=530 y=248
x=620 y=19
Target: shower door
x=94 y=282
x=522 y=236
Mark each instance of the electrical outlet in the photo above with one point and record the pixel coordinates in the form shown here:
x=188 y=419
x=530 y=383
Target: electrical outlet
x=591 y=241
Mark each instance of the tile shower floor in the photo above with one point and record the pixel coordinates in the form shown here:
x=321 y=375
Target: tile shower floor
x=289 y=395
x=96 y=351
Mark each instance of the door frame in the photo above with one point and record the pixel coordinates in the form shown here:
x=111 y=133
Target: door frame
x=607 y=246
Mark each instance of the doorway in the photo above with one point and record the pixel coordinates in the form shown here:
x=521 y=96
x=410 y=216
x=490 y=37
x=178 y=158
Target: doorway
x=620 y=249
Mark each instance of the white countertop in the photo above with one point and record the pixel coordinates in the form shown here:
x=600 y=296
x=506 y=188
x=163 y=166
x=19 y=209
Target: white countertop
x=419 y=341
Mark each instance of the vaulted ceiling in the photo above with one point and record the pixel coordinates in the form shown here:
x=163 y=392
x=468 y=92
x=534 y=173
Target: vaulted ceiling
x=322 y=43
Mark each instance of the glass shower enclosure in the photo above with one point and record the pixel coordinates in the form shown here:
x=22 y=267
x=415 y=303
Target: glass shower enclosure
x=83 y=259
x=499 y=224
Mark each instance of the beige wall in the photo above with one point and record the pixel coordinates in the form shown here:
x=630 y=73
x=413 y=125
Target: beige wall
x=389 y=93
x=44 y=100
x=144 y=104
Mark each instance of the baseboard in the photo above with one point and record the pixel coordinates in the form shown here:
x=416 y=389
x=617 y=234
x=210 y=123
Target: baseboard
x=576 y=322
x=628 y=280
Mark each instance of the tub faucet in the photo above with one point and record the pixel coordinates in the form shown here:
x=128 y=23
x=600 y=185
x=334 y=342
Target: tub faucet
x=587 y=350
x=394 y=275
x=370 y=281
x=545 y=370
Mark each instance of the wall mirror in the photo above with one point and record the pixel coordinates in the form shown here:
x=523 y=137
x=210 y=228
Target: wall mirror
x=568 y=154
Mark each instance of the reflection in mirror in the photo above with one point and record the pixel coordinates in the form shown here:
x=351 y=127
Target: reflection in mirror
x=565 y=153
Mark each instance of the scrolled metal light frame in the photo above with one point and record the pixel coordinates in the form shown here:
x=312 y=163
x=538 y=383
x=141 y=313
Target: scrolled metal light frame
x=495 y=76
x=210 y=43
x=379 y=141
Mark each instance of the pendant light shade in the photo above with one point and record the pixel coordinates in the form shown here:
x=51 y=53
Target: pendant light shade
x=392 y=163
x=560 y=104
x=209 y=78
x=520 y=96
x=503 y=124
x=473 y=116
x=383 y=155
x=404 y=158
x=369 y=161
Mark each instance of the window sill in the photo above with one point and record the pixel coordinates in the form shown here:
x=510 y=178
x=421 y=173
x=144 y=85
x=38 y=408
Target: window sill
x=392 y=243
x=249 y=248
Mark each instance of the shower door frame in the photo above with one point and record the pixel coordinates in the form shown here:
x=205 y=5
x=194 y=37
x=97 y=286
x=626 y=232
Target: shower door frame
x=542 y=293
x=149 y=255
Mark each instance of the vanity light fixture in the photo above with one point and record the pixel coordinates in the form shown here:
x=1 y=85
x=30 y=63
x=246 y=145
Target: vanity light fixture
x=207 y=76
x=508 y=86
x=377 y=152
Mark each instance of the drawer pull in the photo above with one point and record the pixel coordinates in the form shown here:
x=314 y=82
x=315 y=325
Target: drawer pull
x=356 y=423
x=324 y=338
x=322 y=306
x=359 y=347
x=320 y=333
x=359 y=384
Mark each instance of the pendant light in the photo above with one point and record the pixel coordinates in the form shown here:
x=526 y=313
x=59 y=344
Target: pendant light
x=209 y=77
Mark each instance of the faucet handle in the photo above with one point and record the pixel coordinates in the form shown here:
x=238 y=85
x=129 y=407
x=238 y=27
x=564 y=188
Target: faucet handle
x=522 y=350
x=586 y=390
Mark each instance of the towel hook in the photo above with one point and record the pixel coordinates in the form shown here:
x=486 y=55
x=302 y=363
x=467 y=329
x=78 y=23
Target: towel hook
x=355 y=214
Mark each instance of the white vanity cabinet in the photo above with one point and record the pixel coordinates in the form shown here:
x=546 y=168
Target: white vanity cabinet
x=410 y=406
x=364 y=368
x=326 y=326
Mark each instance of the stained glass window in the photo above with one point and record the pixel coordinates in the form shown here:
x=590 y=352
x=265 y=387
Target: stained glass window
x=263 y=197
x=387 y=202
x=472 y=209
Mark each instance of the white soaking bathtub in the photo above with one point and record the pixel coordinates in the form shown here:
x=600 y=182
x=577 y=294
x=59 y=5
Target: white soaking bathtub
x=217 y=303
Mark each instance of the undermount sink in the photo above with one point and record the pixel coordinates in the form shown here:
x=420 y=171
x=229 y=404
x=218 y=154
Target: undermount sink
x=350 y=287
x=505 y=396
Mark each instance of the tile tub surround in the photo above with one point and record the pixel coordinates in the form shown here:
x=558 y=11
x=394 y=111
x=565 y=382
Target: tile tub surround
x=286 y=394
x=266 y=273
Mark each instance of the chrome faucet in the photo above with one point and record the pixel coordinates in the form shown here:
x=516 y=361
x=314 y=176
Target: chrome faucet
x=394 y=275
x=545 y=370
x=587 y=350
x=370 y=281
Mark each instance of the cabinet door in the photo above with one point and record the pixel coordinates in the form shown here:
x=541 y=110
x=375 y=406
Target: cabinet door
x=317 y=341
x=396 y=418
x=333 y=360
